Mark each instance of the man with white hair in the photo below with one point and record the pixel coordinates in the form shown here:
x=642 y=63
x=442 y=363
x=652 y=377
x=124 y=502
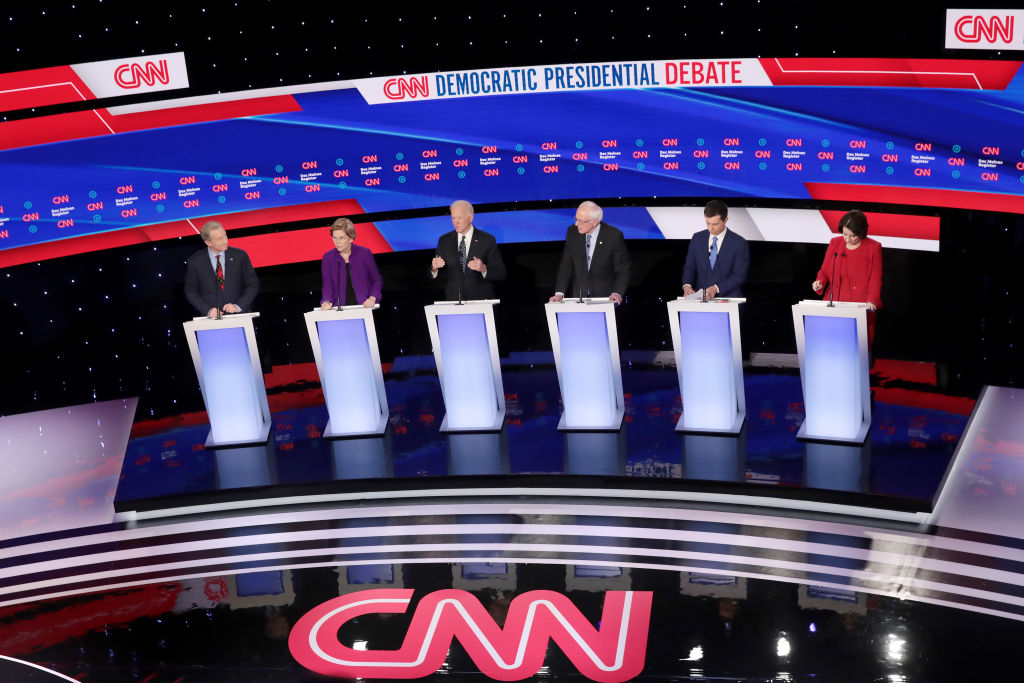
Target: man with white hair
x=595 y=262
x=468 y=256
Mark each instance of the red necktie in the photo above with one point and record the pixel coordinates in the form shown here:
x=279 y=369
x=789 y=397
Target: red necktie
x=220 y=273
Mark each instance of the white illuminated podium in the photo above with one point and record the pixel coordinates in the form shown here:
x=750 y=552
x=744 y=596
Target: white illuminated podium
x=585 y=341
x=709 y=362
x=833 y=347
x=228 y=367
x=347 y=357
x=466 y=352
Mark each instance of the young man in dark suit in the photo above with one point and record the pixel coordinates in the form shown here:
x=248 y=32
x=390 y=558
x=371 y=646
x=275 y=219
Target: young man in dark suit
x=469 y=258
x=595 y=262
x=718 y=259
x=219 y=277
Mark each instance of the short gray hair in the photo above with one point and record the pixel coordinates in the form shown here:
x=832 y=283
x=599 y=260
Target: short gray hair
x=462 y=202
x=208 y=227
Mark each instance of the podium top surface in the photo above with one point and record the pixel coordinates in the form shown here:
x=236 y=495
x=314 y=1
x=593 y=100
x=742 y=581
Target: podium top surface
x=684 y=301
x=818 y=303
x=466 y=302
x=355 y=311
x=587 y=301
x=228 y=320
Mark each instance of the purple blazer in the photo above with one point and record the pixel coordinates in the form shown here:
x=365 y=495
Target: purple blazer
x=366 y=279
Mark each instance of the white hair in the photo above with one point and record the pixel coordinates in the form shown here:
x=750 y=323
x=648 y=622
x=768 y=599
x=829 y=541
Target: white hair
x=462 y=202
x=593 y=210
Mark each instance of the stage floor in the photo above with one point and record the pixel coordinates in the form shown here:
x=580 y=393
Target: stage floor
x=758 y=557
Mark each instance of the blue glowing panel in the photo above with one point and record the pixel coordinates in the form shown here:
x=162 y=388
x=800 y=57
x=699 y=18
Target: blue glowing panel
x=831 y=377
x=588 y=389
x=467 y=373
x=709 y=387
x=349 y=379
x=232 y=400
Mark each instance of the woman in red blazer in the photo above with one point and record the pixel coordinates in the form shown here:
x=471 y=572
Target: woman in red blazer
x=856 y=261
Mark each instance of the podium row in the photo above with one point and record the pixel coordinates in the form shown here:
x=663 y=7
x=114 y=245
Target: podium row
x=831 y=342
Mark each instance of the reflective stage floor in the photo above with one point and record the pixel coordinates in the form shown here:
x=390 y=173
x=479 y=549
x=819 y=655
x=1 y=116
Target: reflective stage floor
x=133 y=553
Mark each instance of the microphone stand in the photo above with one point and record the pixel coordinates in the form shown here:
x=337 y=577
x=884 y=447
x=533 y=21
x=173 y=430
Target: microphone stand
x=832 y=282
x=462 y=279
x=338 y=293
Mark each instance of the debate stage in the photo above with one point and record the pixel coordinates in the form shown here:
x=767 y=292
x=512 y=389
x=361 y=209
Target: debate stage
x=134 y=552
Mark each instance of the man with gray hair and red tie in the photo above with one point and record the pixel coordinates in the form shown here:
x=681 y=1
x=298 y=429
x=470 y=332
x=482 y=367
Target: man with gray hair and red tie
x=219 y=279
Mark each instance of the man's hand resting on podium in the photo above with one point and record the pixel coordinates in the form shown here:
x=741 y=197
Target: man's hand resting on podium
x=615 y=298
x=555 y=299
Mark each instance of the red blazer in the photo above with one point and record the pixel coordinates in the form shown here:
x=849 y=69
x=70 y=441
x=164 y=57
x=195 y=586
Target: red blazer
x=858 y=271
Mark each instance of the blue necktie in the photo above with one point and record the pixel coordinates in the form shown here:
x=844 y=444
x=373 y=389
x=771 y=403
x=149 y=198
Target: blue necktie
x=714 y=250
x=588 y=251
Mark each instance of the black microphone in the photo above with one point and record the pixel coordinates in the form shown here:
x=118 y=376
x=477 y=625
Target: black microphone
x=832 y=282
x=338 y=292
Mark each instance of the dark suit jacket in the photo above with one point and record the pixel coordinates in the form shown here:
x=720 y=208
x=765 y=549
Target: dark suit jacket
x=240 y=283
x=730 y=271
x=366 y=280
x=474 y=285
x=609 y=264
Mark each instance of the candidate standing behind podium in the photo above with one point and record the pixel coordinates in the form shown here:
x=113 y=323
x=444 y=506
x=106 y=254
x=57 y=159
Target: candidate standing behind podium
x=852 y=269
x=469 y=257
x=219 y=278
x=349 y=272
x=595 y=262
x=717 y=259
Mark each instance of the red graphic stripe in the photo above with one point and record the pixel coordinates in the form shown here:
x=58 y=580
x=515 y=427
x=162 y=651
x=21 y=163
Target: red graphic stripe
x=95 y=122
x=918 y=196
x=369 y=236
x=973 y=74
x=202 y=113
x=891 y=224
x=42 y=87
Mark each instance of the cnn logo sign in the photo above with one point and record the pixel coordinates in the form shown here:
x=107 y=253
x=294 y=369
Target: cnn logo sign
x=612 y=653
x=134 y=74
x=411 y=87
x=984 y=29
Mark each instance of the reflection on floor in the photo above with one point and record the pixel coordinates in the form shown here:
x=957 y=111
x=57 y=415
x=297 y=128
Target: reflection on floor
x=913 y=436
x=760 y=557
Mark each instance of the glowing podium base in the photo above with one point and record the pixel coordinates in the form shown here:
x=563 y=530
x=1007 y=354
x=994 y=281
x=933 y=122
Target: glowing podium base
x=585 y=341
x=228 y=367
x=466 y=352
x=344 y=345
x=833 y=345
x=709 y=362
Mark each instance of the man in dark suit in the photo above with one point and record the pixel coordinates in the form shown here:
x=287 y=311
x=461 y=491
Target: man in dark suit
x=718 y=259
x=595 y=261
x=469 y=257
x=219 y=278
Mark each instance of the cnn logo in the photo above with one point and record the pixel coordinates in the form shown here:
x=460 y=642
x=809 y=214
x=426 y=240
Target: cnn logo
x=134 y=74
x=401 y=88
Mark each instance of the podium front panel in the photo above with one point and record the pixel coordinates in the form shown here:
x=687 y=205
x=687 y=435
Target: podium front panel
x=233 y=401
x=467 y=378
x=588 y=387
x=709 y=388
x=831 y=389
x=832 y=343
x=348 y=370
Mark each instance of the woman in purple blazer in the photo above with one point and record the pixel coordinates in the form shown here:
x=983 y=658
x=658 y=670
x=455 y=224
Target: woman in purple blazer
x=349 y=272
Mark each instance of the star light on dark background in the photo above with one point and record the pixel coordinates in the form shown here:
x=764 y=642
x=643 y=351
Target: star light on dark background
x=108 y=324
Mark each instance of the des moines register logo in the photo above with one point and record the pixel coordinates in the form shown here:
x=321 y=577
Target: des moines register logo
x=611 y=653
